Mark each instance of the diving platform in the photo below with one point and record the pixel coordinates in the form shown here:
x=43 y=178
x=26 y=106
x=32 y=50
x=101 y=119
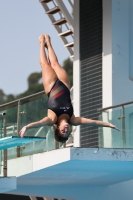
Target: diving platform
x=75 y=173
x=7 y=184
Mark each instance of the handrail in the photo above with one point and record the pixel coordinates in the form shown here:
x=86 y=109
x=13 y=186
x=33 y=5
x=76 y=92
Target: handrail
x=25 y=98
x=115 y=106
x=21 y=99
x=18 y=103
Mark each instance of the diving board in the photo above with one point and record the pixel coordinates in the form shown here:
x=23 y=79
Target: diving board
x=13 y=141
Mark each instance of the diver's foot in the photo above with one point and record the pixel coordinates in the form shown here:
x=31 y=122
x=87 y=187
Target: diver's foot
x=47 y=40
x=41 y=39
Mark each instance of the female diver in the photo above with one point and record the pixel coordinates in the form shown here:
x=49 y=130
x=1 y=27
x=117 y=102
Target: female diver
x=57 y=86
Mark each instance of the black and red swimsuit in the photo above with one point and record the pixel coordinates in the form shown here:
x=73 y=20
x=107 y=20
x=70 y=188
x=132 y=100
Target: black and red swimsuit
x=59 y=99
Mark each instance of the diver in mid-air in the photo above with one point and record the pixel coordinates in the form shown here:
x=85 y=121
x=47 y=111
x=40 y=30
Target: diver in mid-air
x=56 y=84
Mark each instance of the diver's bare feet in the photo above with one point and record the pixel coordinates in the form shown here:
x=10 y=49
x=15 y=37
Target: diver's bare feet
x=42 y=39
x=47 y=39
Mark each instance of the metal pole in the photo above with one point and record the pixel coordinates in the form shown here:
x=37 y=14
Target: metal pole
x=123 y=127
x=18 y=127
x=5 y=151
x=56 y=144
x=18 y=118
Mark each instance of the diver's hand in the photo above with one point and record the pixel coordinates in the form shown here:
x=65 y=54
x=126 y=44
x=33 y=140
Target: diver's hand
x=22 y=132
x=114 y=127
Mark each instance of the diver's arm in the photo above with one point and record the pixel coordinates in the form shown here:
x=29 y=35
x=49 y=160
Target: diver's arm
x=43 y=122
x=75 y=121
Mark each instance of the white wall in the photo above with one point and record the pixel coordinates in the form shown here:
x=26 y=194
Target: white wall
x=117 y=61
x=117 y=51
x=107 y=68
x=76 y=73
x=107 y=53
x=121 y=44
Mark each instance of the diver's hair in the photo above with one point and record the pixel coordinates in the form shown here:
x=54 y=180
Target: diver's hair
x=58 y=136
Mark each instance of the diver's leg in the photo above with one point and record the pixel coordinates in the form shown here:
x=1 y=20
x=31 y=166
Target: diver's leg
x=60 y=72
x=48 y=74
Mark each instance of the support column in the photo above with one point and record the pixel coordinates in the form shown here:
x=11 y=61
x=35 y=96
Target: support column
x=76 y=73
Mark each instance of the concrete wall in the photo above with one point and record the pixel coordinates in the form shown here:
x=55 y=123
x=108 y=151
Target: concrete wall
x=107 y=53
x=122 y=59
x=117 y=66
x=76 y=73
x=117 y=51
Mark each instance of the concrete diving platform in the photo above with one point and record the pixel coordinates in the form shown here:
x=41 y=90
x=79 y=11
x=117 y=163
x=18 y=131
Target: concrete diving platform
x=76 y=173
x=7 y=184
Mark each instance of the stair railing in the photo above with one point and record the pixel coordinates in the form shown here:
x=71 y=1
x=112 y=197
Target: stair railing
x=66 y=20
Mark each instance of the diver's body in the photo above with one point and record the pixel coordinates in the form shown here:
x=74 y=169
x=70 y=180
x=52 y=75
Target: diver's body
x=57 y=86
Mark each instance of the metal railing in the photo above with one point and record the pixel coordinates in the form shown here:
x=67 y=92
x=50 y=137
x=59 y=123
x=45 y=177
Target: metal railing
x=122 y=116
x=19 y=102
x=115 y=106
x=60 y=14
x=25 y=110
x=3 y=116
x=17 y=115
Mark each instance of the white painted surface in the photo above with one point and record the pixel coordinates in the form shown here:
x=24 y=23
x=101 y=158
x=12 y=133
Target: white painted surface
x=117 y=51
x=7 y=184
x=121 y=43
x=107 y=53
x=20 y=166
x=76 y=73
x=51 y=158
x=107 y=67
x=117 y=63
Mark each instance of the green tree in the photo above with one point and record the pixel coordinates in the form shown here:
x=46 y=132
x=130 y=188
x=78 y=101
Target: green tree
x=34 y=78
x=68 y=66
x=34 y=85
x=2 y=96
x=10 y=97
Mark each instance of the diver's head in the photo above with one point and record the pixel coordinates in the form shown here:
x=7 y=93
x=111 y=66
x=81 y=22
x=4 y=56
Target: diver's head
x=62 y=130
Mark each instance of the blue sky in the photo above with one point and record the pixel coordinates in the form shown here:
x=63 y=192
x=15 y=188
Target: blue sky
x=21 y=23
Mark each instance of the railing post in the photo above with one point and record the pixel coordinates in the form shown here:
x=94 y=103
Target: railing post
x=18 y=127
x=56 y=144
x=4 y=151
x=18 y=118
x=123 y=127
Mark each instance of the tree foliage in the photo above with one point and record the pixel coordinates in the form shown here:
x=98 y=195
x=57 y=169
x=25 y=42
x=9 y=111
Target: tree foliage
x=68 y=66
x=2 y=96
